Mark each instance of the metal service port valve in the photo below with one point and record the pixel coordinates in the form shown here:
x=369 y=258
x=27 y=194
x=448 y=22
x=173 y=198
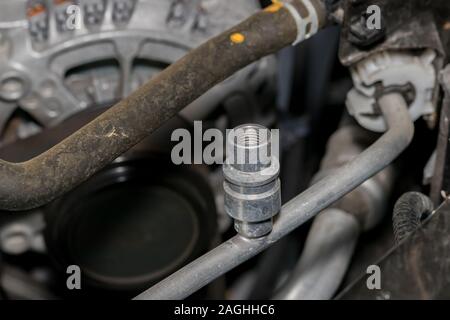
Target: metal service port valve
x=252 y=187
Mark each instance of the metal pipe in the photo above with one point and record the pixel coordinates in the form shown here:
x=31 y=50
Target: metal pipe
x=325 y=258
x=37 y=181
x=333 y=235
x=18 y=285
x=235 y=251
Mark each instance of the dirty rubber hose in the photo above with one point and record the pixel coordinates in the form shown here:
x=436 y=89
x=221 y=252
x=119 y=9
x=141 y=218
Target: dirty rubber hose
x=38 y=181
x=409 y=211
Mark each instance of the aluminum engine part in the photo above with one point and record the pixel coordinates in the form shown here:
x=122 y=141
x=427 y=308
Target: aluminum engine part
x=21 y=235
x=397 y=70
x=60 y=57
x=252 y=187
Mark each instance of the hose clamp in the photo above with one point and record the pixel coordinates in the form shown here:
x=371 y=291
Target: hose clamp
x=306 y=26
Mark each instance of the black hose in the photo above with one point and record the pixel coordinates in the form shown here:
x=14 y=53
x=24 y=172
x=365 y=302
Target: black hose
x=409 y=212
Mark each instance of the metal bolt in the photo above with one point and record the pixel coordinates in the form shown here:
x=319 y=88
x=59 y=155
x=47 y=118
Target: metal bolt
x=53 y=107
x=177 y=13
x=252 y=187
x=12 y=87
x=16 y=239
x=360 y=35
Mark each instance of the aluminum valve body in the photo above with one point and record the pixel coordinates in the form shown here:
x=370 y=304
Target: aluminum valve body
x=252 y=187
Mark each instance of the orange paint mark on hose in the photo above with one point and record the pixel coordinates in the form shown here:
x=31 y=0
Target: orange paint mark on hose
x=237 y=38
x=35 y=10
x=274 y=7
x=58 y=2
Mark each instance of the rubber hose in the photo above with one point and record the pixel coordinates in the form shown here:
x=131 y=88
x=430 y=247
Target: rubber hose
x=409 y=211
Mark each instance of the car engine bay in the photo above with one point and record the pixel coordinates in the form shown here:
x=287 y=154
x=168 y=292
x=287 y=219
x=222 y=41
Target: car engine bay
x=239 y=149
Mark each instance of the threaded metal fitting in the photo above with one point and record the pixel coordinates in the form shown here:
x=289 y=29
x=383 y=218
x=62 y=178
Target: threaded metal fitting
x=252 y=187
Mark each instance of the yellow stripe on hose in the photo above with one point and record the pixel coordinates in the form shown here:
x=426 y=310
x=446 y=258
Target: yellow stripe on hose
x=274 y=7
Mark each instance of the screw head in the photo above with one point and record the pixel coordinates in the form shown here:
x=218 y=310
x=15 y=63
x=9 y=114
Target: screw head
x=360 y=35
x=12 y=87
